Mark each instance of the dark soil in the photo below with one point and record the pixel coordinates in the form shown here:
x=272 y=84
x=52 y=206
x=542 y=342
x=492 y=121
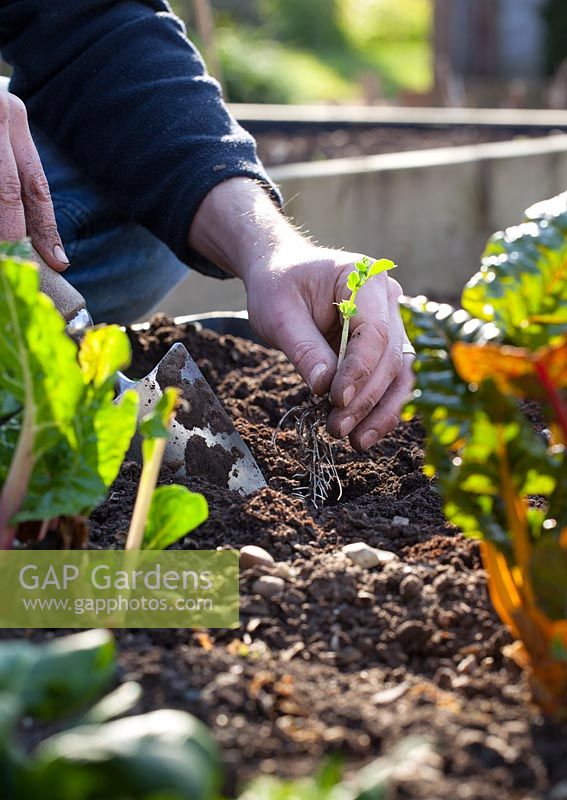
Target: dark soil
x=278 y=148
x=346 y=660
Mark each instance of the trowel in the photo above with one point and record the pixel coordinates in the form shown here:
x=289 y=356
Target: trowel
x=203 y=441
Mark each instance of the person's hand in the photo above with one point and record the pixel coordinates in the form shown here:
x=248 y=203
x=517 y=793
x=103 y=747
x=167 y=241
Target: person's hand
x=292 y=287
x=291 y=305
x=25 y=201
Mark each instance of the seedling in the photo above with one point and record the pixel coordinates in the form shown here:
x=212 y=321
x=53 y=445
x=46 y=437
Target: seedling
x=316 y=451
x=474 y=368
x=361 y=274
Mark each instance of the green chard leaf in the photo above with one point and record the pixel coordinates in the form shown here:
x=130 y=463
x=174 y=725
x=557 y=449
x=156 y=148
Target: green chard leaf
x=174 y=512
x=58 y=400
x=165 y=753
x=522 y=283
x=468 y=425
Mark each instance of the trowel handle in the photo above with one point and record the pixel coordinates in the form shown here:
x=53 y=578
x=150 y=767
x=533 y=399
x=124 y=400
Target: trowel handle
x=68 y=301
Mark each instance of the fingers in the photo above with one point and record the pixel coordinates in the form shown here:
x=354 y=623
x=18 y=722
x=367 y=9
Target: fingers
x=387 y=368
x=386 y=415
x=40 y=223
x=296 y=335
x=12 y=216
x=370 y=335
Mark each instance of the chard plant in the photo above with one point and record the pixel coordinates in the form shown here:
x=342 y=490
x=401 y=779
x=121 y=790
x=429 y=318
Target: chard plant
x=63 y=436
x=162 y=516
x=503 y=481
x=98 y=752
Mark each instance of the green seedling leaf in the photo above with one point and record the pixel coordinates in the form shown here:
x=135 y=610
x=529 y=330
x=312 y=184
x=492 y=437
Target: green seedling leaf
x=160 y=754
x=347 y=308
x=353 y=281
x=363 y=265
x=382 y=265
x=363 y=271
x=174 y=512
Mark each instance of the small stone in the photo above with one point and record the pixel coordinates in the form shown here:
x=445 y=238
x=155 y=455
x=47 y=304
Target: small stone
x=268 y=586
x=466 y=665
x=387 y=696
x=283 y=570
x=252 y=556
x=411 y=587
x=365 y=556
x=400 y=521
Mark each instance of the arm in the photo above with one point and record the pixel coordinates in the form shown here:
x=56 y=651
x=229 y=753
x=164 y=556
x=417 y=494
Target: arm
x=292 y=285
x=118 y=87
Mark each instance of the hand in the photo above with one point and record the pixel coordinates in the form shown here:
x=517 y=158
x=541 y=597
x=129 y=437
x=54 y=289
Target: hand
x=25 y=202
x=292 y=286
x=291 y=305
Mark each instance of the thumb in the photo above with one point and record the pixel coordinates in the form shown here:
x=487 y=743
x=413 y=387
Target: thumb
x=301 y=341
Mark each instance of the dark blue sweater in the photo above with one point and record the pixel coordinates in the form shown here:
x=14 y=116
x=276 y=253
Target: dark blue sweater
x=119 y=88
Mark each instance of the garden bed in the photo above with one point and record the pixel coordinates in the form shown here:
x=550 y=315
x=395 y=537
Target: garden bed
x=320 y=145
x=346 y=659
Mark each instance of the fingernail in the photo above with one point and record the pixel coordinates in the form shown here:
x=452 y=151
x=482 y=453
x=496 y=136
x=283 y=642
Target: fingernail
x=368 y=439
x=348 y=395
x=316 y=373
x=60 y=254
x=346 y=426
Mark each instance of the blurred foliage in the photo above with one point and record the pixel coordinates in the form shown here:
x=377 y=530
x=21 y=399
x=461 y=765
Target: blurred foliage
x=292 y=51
x=372 y=22
x=257 y=70
x=555 y=14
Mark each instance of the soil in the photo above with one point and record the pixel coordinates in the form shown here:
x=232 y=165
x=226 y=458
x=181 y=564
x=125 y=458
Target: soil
x=345 y=660
x=313 y=145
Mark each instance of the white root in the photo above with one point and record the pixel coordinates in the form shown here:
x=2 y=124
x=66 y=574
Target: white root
x=316 y=453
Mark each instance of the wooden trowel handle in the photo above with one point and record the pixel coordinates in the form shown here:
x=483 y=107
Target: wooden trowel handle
x=68 y=301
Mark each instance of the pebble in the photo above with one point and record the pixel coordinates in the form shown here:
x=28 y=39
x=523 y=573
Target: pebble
x=400 y=521
x=365 y=556
x=466 y=665
x=411 y=587
x=387 y=696
x=283 y=570
x=252 y=556
x=268 y=586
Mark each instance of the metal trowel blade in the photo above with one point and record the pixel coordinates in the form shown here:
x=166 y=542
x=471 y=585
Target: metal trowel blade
x=203 y=442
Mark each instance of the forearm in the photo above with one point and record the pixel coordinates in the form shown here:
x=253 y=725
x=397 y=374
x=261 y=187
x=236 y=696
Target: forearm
x=239 y=228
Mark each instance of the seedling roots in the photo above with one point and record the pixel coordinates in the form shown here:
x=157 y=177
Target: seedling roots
x=315 y=452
